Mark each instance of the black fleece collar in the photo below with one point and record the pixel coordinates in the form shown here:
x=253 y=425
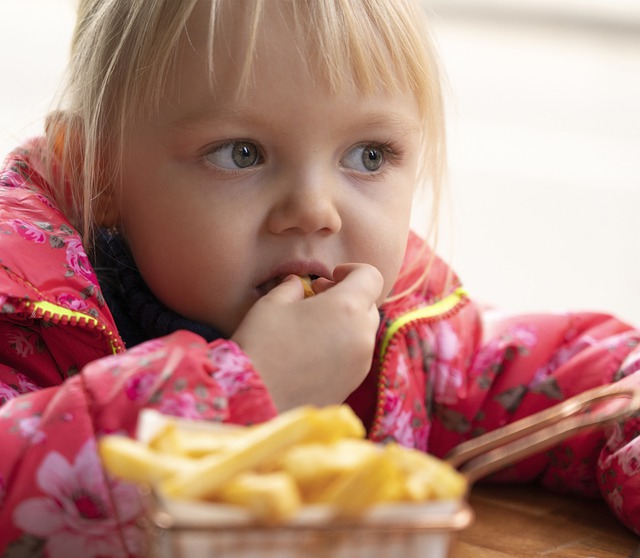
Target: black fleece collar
x=138 y=314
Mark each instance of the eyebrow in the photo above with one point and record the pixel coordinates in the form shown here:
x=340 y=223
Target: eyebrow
x=204 y=117
x=368 y=121
x=386 y=120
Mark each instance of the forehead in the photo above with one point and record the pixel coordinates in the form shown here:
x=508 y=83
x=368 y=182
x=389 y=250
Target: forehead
x=253 y=65
x=336 y=43
x=231 y=45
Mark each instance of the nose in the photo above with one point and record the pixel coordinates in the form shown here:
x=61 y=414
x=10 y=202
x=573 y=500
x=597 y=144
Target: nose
x=305 y=205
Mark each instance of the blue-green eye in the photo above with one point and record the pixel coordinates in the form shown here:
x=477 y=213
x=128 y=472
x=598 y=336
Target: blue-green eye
x=235 y=155
x=364 y=158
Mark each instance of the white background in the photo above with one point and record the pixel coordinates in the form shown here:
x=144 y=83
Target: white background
x=544 y=203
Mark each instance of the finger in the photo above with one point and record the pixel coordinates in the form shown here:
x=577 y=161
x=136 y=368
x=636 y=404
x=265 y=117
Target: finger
x=289 y=290
x=321 y=284
x=363 y=279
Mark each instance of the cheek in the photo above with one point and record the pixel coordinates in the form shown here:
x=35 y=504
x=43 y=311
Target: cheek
x=389 y=250
x=392 y=239
x=390 y=268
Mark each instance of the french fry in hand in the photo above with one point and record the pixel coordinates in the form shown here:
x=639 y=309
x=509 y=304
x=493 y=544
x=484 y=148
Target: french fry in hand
x=307 y=285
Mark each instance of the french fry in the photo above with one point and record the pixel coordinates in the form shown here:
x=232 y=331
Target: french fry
x=304 y=456
x=315 y=466
x=272 y=497
x=307 y=285
x=174 y=440
x=260 y=444
x=126 y=458
x=427 y=477
x=375 y=481
x=335 y=422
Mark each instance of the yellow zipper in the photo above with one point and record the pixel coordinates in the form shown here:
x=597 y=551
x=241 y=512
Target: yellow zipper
x=440 y=308
x=59 y=314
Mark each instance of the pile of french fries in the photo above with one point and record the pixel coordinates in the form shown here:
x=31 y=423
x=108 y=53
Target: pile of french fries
x=303 y=457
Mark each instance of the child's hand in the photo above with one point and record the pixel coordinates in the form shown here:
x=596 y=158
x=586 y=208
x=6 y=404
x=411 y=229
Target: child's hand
x=318 y=350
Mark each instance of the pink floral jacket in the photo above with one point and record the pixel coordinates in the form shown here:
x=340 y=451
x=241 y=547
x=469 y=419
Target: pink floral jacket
x=442 y=373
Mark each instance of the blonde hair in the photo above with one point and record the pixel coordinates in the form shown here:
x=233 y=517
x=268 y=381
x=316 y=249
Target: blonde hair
x=123 y=52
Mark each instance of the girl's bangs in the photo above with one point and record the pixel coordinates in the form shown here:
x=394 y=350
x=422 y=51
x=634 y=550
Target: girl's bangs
x=380 y=47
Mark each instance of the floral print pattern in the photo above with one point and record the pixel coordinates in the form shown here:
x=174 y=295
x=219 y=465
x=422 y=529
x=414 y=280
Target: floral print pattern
x=21 y=384
x=28 y=231
x=231 y=368
x=78 y=262
x=20 y=342
x=448 y=377
x=75 y=516
x=29 y=429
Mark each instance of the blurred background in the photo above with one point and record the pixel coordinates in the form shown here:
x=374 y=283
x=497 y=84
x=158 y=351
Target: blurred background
x=543 y=207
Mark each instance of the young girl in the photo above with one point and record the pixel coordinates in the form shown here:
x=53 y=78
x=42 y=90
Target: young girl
x=209 y=151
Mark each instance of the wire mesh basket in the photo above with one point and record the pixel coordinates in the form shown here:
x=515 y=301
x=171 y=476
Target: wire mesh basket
x=406 y=530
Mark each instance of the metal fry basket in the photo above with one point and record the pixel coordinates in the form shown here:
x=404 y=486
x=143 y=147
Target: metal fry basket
x=410 y=531
x=181 y=529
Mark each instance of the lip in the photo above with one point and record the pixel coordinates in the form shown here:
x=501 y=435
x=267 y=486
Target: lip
x=297 y=267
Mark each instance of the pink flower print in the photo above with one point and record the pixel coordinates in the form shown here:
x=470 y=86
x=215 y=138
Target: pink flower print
x=233 y=371
x=228 y=356
x=493 y=354
x=29 y=429
x=397 y=422
x=19 y=342
x=232 y=382
x=447 y=342
x=7 y=392
x=75 y=516
x=28 y=231
x=402 y=369
x=140 y=356
x=487 y=358
x=22 y=385
x=78 y=261
x=629 y=459
x=72 y=302
x=631 y=364
x=140 y=386
x=448 y=381
x=561 y=357
x=25 y=384
x=525 y=335
x=45 y=200
x=11 y=179
x=448 y=378
x=182 y=405
x=615 y=440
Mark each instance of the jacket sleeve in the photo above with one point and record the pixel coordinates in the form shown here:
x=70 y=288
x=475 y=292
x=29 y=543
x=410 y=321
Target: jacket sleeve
x=54 y=494
x=519 y=365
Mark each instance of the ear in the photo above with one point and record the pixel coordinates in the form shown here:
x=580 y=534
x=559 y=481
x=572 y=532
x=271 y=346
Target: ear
x=65 y=132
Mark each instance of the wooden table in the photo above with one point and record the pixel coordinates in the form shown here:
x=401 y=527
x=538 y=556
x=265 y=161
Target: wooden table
x=527 y=521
